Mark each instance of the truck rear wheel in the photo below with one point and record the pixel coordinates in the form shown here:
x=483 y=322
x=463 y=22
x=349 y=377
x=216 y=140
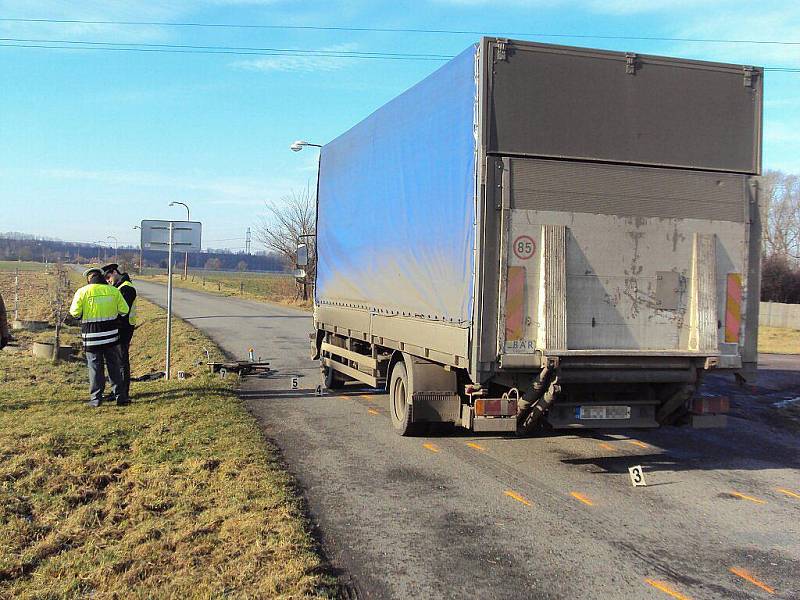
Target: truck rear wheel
x=399 y=406
x=332 y=379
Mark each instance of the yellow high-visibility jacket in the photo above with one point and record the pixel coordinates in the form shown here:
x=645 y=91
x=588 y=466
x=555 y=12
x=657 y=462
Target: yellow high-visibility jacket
x=132 y=313
x=98 y=306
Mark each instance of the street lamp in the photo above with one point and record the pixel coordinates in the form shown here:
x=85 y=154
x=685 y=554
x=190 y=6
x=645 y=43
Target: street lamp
x=105 y=246
x=141 y=264
x=116 y=245
x=296 y=147
x=300 y=144
x=186 y=255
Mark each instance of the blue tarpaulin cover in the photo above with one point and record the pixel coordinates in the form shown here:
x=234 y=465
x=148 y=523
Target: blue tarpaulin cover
x=397 y=202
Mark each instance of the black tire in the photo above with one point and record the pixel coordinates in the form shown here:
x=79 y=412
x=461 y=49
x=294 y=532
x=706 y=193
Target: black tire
x=331 y=379
x=399 y=408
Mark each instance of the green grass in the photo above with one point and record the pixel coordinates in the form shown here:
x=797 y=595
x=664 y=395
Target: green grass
x=264 y=287
x=175 y=496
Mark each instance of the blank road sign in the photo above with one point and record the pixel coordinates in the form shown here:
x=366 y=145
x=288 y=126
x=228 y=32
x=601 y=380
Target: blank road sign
x=185 y=235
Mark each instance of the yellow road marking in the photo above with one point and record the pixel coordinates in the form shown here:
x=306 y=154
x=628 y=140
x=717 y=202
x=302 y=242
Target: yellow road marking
x=638 y=443
x=582 y=498
x=476 y=446
x=517 y=497
x=367 y=397
x=372 y=411
x=431 y=447
x=789 y=493
x=746 y=497
x=747 y=576
x=606 y=446
x=660 y=585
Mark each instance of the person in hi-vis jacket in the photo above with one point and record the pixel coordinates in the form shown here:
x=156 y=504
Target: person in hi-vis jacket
x=99 y=306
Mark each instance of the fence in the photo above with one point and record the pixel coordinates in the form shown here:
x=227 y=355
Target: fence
x=775 y=314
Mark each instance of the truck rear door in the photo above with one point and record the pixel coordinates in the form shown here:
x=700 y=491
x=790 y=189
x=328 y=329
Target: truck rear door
x=608 y=258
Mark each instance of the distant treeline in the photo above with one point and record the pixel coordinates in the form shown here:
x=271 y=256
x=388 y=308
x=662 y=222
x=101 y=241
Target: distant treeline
x=29 y=248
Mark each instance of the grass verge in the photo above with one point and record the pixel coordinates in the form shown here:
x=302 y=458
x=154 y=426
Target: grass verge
x=263 y=287
x=777 y=340
x=175 y=496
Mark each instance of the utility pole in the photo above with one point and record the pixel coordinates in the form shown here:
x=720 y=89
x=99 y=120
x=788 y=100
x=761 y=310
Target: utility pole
x=247 y=242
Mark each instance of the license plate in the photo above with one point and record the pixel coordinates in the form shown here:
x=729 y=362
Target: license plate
x=602 y=412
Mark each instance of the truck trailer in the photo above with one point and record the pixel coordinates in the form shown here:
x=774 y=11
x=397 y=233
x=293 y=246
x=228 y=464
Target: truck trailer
x=541 y=235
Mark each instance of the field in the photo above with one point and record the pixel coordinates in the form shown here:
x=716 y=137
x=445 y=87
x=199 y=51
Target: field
x=266 y=287
x=776 y=340
x=176 y=495
x=10 y=265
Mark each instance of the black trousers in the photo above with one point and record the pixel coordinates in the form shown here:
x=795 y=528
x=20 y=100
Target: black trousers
x=124 y=346
x=98 y=361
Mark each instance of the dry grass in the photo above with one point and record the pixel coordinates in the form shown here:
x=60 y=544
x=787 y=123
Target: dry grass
x=175 y=496
x=776 y=340
x=263 y=287
x=11 y=265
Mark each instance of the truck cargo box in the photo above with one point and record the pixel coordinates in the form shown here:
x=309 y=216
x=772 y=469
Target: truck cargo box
x=530 y=203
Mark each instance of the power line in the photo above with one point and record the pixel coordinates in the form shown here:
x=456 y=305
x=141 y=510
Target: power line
x=400 y=30
x=220 y=51
x=336 y=53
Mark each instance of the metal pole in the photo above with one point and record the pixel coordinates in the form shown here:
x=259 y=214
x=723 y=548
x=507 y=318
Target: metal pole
x=16 y=294
x=186 y=256
x=169 y=298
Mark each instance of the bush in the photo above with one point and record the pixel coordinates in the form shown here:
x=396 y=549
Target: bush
x=780 y=280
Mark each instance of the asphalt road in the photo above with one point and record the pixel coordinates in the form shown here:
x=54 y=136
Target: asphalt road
x=464 y=516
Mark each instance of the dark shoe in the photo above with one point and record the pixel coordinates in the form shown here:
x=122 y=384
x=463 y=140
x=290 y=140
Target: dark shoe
x=124 y=402
x=94 y=403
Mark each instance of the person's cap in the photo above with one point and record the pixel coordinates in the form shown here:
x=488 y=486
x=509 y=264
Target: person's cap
x=88 y=272
x=110 y=267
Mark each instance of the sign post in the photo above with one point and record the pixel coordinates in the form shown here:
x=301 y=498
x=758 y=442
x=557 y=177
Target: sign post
x=169 y=297
x=167 y=235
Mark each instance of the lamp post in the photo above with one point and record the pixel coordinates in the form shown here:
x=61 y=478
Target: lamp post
x=105 y=247
x=297 y=146
x=186 y=255
x=141 y=259
x=300 y=144
x=116 y=246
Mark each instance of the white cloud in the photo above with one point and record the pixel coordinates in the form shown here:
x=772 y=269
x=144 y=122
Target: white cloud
x=301 y=62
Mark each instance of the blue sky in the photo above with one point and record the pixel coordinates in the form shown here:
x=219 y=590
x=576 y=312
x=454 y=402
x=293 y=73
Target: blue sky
x=91 y=142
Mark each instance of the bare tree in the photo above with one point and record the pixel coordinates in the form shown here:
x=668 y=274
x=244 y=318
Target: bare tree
x=60 y=299
x=781 y=215
x=289 y=223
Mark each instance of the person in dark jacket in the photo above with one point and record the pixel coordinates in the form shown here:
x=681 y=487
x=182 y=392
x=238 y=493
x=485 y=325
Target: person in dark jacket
x=127 y=323
x=98 y=306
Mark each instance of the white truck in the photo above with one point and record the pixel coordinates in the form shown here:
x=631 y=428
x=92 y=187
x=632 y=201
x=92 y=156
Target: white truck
x=544 y=234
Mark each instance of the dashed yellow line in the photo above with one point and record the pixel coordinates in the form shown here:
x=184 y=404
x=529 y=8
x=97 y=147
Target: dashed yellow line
x=660 y=585
x=747 y=576
x=582 y=498
x=606 y=446
x=638 y=443
x=475 y=446
x=431 y=447
x=517 y=497
x=746 y=497
x=366 y=397
x=372 y=411
x=789 y=493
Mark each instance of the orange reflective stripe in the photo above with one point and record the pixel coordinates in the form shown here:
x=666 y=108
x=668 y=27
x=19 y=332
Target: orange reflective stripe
x=733 y=308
